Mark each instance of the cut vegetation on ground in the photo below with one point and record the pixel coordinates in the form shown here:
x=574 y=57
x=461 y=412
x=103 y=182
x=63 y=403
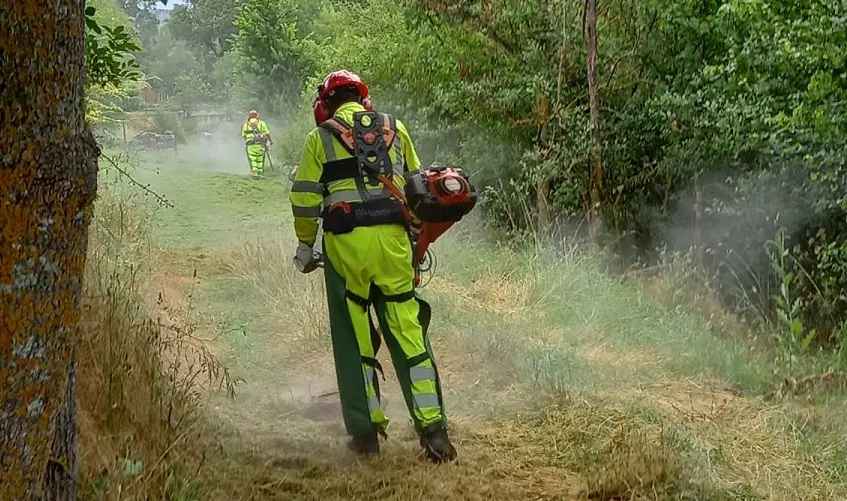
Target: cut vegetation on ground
x=561 y=383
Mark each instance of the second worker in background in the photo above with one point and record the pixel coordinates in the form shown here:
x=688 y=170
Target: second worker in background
x=257 y=138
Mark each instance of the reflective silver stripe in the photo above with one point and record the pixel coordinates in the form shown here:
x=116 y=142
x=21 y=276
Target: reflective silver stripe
x=307 y=187
x=369 y=376
x=373 y=403
x=329 y=148
x=349 y=196
x=398 y=165
x=300 y=211
x=424 y=400
x=422 y=374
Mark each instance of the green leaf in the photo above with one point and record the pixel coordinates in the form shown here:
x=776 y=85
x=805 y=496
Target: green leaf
x=807 y=341
x=93 y=26
x=796 y=328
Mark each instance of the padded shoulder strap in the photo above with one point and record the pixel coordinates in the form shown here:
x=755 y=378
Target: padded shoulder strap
x=389 y=129
x=344 y=132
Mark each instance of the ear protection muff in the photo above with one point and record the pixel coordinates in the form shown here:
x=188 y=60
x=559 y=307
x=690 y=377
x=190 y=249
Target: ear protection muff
x=320 y=111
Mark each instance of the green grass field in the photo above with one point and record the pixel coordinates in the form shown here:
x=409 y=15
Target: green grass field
x=561 y=382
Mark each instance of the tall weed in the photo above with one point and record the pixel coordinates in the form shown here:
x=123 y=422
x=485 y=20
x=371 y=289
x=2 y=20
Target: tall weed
x=142 y=430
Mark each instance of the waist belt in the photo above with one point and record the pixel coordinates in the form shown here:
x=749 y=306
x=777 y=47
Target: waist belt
x=343 y=217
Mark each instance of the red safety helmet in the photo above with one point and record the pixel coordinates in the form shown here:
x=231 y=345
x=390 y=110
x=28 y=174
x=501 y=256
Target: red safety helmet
x=333 y=81
x=253 y=113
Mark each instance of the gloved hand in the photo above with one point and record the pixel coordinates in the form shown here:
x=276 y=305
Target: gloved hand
x=304 y=258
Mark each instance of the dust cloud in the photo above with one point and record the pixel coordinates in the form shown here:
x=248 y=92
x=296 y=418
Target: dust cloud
x=219 y=148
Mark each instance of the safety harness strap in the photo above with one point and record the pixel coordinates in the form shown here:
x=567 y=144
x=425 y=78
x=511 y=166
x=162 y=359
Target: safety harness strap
x=344 y=132
x=418 y=359
x=372 y=362
x=337 y=170
x=400 y=298
x=361 y=301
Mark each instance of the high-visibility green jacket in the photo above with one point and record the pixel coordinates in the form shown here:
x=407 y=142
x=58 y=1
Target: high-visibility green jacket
x=308 y=194
x=251 y=131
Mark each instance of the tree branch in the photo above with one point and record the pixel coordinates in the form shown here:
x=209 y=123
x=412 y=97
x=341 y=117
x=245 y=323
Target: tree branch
x=145 y=188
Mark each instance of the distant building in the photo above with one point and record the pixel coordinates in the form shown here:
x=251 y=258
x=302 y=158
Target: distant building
x=153 y=96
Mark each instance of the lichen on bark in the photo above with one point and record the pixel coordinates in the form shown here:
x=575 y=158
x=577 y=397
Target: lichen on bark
x=48 y=179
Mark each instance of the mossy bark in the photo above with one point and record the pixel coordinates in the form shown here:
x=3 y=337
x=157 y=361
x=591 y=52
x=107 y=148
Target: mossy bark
x=48 y=179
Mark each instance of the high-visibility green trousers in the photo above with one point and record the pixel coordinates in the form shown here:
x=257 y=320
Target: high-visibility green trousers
x=372 y=267
x=256 y=157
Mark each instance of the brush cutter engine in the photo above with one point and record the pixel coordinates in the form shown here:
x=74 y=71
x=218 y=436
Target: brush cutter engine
x=440 y=195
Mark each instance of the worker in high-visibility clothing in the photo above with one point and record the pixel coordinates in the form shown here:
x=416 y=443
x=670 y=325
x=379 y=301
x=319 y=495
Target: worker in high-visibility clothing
x=257 y=138
x=367 y=255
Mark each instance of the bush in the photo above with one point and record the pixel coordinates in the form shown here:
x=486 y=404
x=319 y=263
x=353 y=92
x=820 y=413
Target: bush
x=165 y=122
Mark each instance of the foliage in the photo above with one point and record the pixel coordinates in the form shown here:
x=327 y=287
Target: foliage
x=207 y=25
x=142 y=14
x=105 y=104
x=792 y=338
x=113 y=76
x=276 y=52
x=108 y=52
x=166 y=122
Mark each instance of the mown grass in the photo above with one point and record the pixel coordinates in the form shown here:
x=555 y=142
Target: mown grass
x=212 y=205
x=561 y=382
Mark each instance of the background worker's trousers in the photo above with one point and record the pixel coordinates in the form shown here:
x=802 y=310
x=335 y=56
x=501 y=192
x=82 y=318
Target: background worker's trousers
x=372 y=266
x=256 y=157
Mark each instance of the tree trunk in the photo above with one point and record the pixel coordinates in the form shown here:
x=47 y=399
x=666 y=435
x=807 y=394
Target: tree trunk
x=48 y=179
x=698 y=219
x=542 y=206
x=543 y=183
x=595 y=164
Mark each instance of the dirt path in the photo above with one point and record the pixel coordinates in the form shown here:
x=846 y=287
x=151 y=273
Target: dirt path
x=549 y=398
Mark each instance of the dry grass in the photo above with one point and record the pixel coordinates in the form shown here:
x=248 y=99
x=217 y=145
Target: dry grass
x=143 y=432
x=575 y=449
x=296 y=303
x=507 y=297
x=672 y=439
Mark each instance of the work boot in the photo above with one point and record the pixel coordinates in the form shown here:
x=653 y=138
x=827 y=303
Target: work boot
x=365 y=444
x=437 y=446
